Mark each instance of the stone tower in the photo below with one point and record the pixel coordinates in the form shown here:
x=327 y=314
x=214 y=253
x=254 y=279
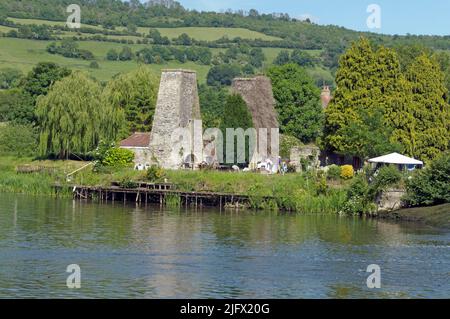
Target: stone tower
x=257 y=93
x=176 y=136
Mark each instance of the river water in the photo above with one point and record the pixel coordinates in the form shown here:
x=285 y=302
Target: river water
x=138 y=252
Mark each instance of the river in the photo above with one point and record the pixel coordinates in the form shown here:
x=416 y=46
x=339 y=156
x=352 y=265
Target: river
x=146 y=252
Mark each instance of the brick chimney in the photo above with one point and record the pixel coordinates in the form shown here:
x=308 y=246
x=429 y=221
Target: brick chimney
x=325 y=96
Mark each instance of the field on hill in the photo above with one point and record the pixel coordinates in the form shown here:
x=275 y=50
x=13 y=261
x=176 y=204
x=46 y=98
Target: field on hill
x=24 y=54
x=198 y=33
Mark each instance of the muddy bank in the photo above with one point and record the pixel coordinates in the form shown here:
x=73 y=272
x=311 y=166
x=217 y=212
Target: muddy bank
x=436 y=216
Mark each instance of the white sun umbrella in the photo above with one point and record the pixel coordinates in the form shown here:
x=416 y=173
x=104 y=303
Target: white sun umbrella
x=396 y=158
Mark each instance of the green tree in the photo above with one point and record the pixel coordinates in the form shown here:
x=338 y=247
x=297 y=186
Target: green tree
x=212 y=103
x=430 y=186
x=282 y=58
x=302 y=58
x=222 y=74
x=18 y=140
x=236 y=115
x=429 y=108
x=42 y=76
x=369 y=136
x=367 y=79
x=112 y=55
x=133 y=95
x=299 y=111
x=71 y=116
x=126 y=54
x=16 y=106
x=9 y=78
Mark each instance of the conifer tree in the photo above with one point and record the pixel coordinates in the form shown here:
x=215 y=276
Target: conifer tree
x=368 y=81
x=429 y=108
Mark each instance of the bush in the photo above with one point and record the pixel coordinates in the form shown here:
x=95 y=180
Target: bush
x=387 y=176
x=18 y=140
x=287 y=143
x=430 y=186
x=359 y=200
x=118 y=157
x=334 y=172
x=128 y=184
x=155 y=173
x=347 y=172
x=94 y=65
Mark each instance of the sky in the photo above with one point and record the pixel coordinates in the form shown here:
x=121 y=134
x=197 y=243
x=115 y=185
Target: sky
x=397 y=16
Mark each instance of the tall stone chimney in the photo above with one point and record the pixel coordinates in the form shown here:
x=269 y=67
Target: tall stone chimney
x=176 y=137
x=325 y=96
x=258 y=94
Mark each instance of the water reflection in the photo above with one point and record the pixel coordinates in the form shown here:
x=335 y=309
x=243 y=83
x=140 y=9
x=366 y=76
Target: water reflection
x=131 y=251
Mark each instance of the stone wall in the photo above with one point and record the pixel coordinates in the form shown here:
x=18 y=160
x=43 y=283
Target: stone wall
x=177 y=111
x=309 y=153
x=390 y=200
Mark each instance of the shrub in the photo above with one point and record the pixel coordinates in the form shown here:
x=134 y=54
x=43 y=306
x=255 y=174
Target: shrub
x=18 y=140
x=128 y=183
x=94 y=65
x=347 y=172
x=155 y=173
x=430 y=186
x=387 y=176
x=118 y=157
x=359 y=201
x=287 y=142
x=321 y=186
x=334 y=172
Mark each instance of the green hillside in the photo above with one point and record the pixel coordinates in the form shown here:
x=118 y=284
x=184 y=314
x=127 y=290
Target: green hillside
x=198 y=33
x=23 y=54
x=113 y=24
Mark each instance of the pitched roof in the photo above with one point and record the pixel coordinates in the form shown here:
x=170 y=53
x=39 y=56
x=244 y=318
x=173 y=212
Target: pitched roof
x=396 y=158
x=136 y=140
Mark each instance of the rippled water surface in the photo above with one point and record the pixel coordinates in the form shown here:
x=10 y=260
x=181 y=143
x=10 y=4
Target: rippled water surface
x=138 y=252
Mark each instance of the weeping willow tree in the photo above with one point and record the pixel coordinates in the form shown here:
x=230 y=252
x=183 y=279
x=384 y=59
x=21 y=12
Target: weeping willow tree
x=132 y=95
x=71 y=117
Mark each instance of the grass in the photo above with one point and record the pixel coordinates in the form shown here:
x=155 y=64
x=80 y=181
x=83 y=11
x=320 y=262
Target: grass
x=198 y=33
x=34 y=183
x=293 y=192
x=211 y=34
x=25 y=54
x=436 y=216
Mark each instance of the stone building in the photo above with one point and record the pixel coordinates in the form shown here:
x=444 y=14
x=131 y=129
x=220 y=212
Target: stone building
x=139 y=144
x=257 y=93
x=307 y=155
x=176 y=137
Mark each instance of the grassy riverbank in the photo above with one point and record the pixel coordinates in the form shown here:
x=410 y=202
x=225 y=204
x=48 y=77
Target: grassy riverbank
x=436 y=216
x=294 y=192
